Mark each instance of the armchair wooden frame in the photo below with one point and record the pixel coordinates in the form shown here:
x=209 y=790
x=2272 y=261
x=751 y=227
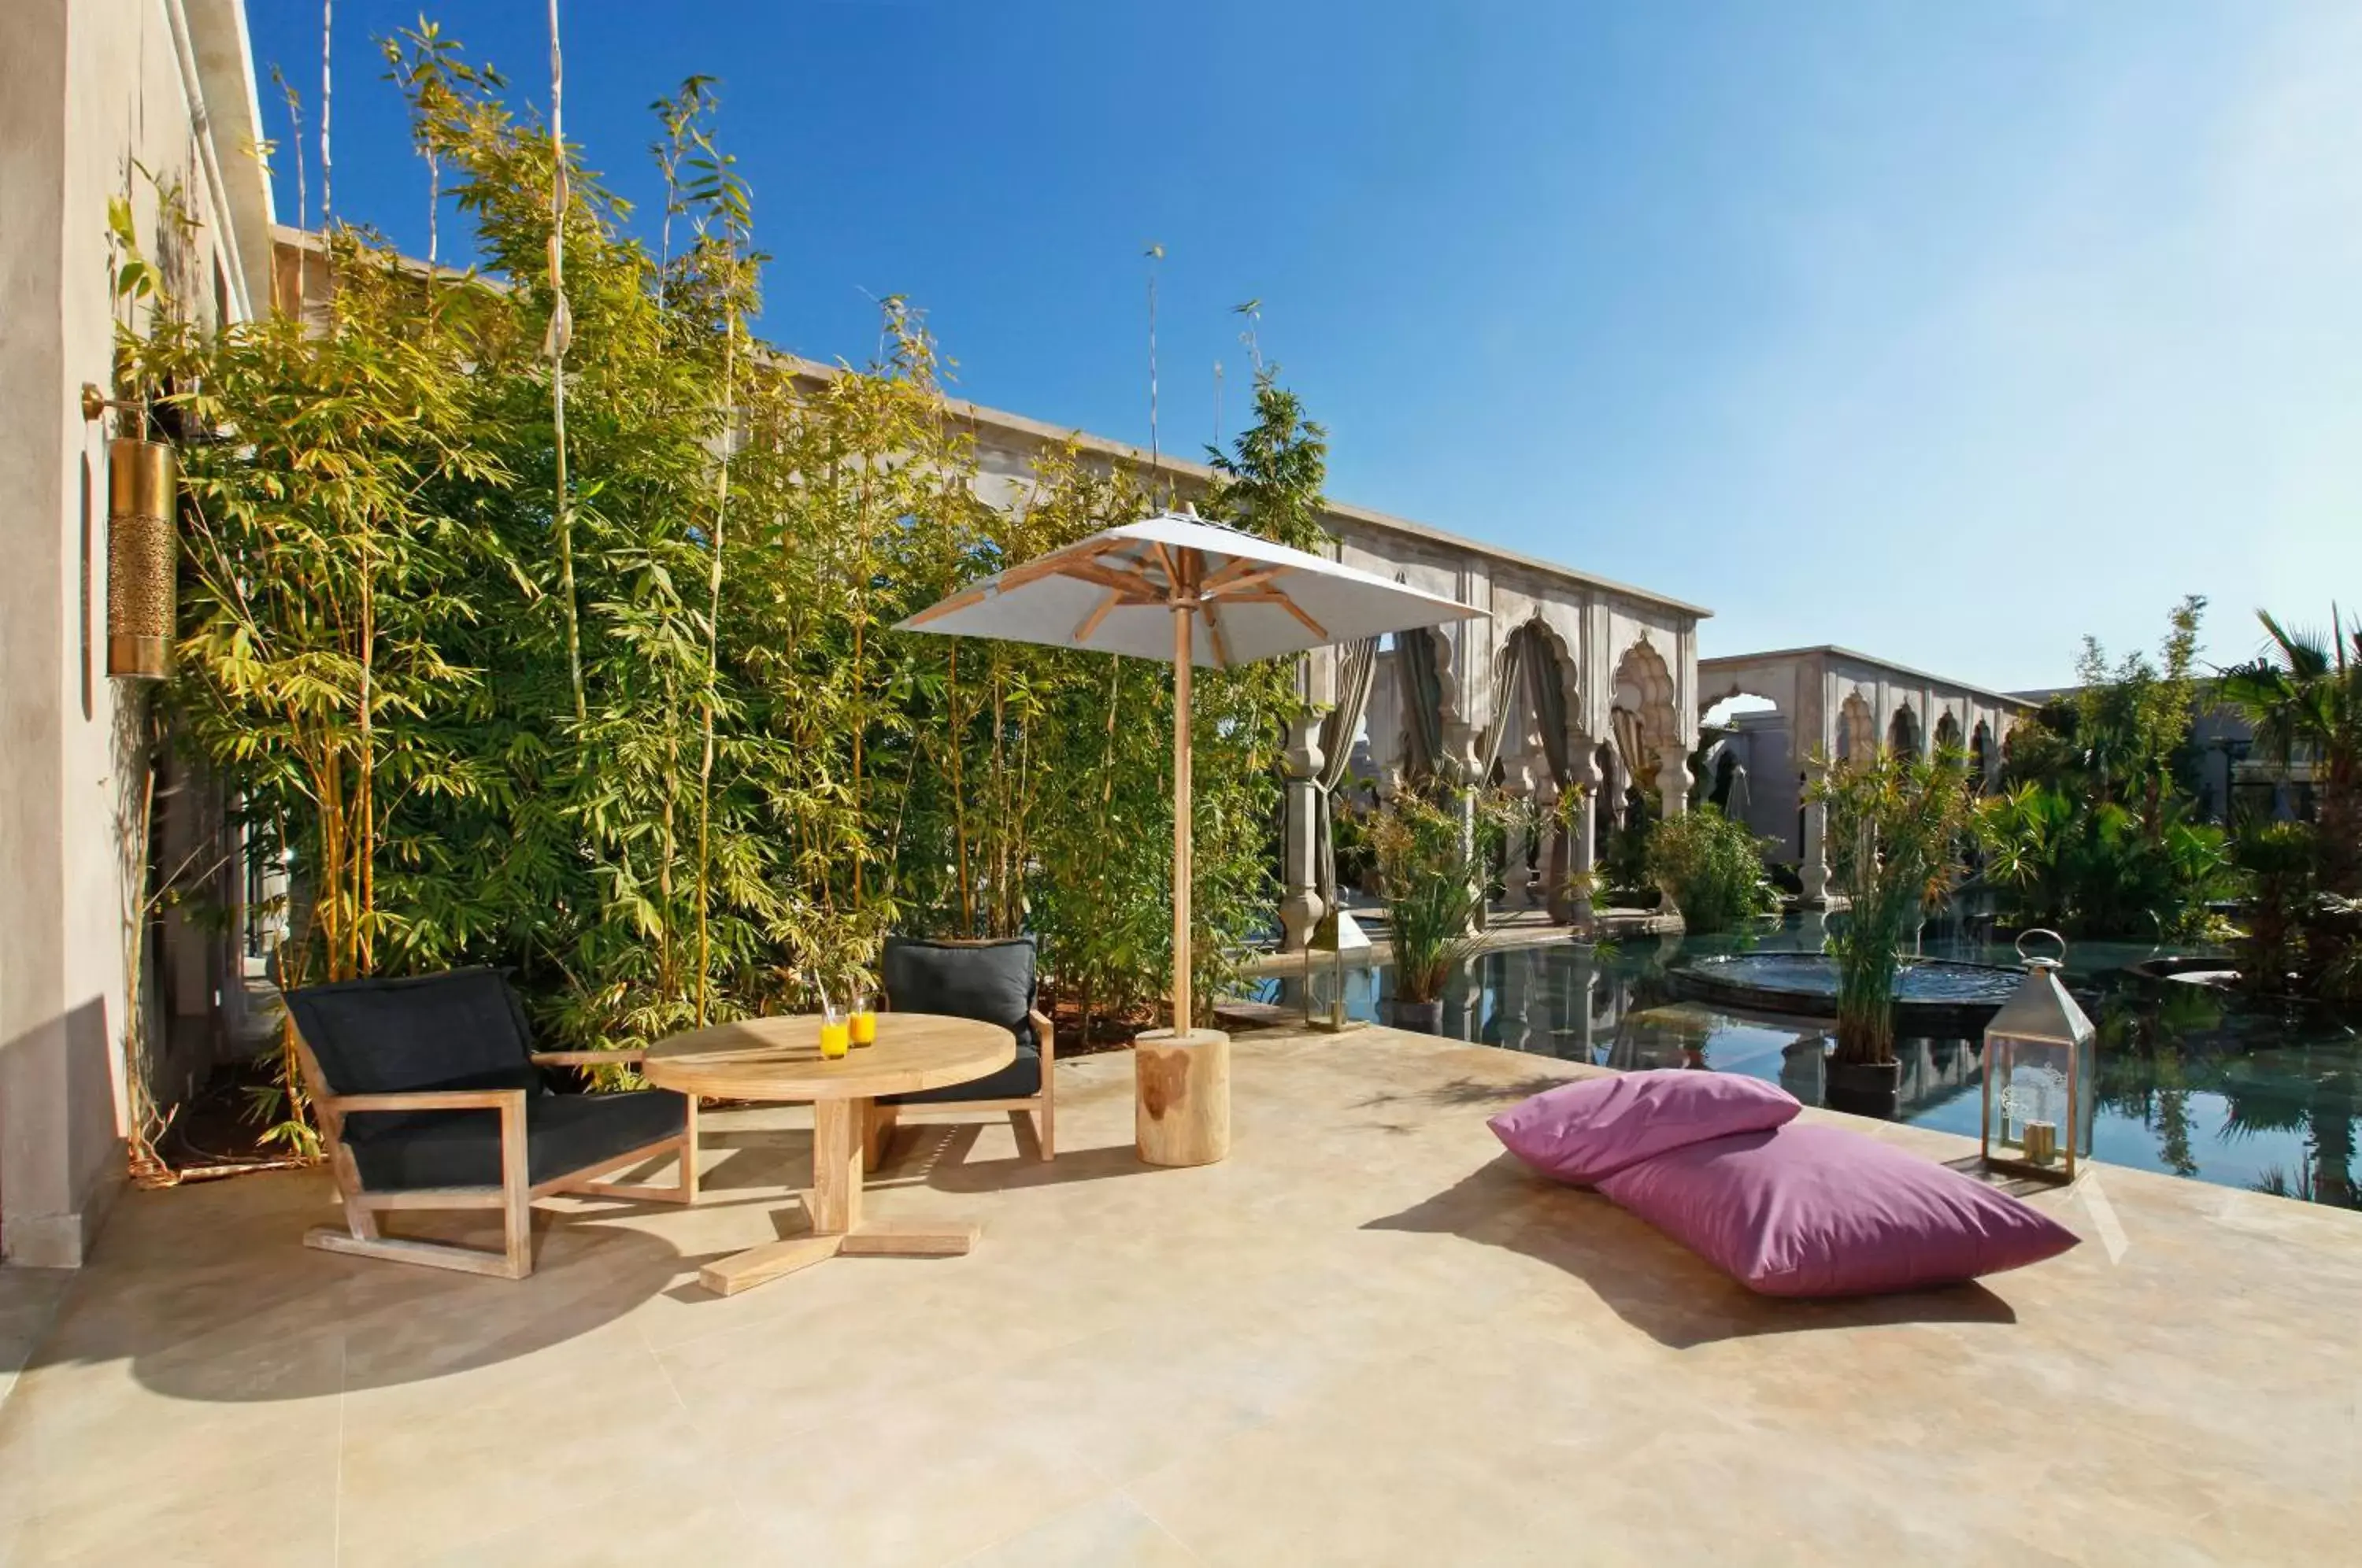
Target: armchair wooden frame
x=1040 y=1108
x=514 y=1197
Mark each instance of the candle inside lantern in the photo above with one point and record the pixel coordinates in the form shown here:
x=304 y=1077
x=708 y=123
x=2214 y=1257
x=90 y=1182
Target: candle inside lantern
x=2041 y=1141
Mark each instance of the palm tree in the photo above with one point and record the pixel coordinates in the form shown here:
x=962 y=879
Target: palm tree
x=2304 y=697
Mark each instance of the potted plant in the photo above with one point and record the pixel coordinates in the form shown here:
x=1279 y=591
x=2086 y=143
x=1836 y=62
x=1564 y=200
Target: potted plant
x=1430 y=872
x=1897 y=823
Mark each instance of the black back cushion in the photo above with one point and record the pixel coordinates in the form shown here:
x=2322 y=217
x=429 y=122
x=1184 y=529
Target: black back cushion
x=461 y=1030
x=990 y=982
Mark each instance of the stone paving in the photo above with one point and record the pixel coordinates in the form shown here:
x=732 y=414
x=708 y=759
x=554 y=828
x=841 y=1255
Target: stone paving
x=1367 y=1337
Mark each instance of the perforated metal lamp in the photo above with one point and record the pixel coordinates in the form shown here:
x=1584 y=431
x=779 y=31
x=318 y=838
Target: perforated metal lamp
x=1337 y=934
x=142 y=558
x=2041 y=1061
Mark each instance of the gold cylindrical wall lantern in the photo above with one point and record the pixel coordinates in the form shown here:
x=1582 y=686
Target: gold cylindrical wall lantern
x=141 y=567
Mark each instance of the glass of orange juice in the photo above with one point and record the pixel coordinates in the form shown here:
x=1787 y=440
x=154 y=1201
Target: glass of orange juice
x=863 y=1020
x=835 y=1033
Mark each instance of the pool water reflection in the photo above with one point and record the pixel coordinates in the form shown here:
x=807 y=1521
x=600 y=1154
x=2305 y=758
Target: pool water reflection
x=2192 y=1082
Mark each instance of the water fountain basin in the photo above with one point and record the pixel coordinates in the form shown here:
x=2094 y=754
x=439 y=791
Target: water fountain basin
x=1931 y=996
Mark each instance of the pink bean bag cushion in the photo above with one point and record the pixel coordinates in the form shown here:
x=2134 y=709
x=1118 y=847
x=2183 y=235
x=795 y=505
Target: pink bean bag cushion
x=1588 y=1130
x=1815 y=1210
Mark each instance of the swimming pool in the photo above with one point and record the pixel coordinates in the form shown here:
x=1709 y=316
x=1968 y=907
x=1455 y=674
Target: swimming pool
x=2192 y=1082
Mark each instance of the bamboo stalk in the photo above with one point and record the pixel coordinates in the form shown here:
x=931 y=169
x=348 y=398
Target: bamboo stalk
x=713 y=666
x=560 y=331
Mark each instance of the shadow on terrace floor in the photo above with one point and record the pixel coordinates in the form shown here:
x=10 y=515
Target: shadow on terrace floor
x=941 y=1155
x=208 y=1293
x=1656 y=1284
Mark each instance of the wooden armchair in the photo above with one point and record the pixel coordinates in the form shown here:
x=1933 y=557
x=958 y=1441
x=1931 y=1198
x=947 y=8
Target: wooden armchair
x=430 y=1096
x=991 y=981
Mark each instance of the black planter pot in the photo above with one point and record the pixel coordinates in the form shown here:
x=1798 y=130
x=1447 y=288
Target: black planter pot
x=1425 y=1017
x=1864 y=1089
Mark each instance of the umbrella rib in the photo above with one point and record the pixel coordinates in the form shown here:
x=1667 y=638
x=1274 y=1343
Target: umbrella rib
x=1214 y=626
x=1244 y=572
x=1109 y=577
x=1046 y=566
x=956 y=601
x=1172 y=568
x=1052 y=565
x=1090 y=623
x=1272 y=596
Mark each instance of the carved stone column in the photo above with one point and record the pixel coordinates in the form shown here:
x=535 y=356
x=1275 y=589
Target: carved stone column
x=1299 y=906
x=1460 y=763
x=1549 y=848
x=1673 y=779
x=1583 y=840
x=1815 y=868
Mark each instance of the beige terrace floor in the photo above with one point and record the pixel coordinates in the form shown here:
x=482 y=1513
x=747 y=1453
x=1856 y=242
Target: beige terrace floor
x=1367 y=1337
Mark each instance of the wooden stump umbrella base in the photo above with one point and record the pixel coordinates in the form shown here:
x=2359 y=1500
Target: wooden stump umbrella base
x=778 y=1059
x=1181 y=1082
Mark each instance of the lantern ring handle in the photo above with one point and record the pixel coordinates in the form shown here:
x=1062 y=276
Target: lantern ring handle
x=2026 y=937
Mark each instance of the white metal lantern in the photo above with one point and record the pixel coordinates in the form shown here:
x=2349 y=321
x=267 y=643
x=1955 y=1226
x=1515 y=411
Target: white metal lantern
x=1326 y=964
x=2040 y=1071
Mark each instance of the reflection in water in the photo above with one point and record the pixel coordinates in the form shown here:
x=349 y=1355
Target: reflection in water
x=2192 y=1082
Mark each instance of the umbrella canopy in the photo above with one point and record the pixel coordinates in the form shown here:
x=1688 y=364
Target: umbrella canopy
x=1117 y=590
x=1139 y=590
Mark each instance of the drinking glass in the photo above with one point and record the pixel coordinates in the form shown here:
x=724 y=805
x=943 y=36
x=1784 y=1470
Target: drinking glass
x=864 y=1020
x=835 y=1030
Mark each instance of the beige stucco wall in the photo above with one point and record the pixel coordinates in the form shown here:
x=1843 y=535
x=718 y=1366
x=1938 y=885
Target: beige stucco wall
x=1810 y=688
x=87 y=87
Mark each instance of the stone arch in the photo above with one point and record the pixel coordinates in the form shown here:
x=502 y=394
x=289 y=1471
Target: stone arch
x=1709 y=700
x=1556 y=664
x=1855 y=734
x=1644 y=688
x=1981 y=752
x=1447 y=694
x=1948 y=731
x=1902 y=736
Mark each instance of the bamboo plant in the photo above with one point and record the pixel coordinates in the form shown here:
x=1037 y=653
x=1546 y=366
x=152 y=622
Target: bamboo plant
x=753 y=777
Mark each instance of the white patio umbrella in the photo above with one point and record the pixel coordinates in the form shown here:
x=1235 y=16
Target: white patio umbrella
x=1140 y=589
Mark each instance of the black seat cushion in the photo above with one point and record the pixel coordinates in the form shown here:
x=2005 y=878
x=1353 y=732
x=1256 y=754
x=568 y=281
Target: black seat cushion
x=1021 y=1080
x=403 y=1151
x=460 y=1030
x=989 y=981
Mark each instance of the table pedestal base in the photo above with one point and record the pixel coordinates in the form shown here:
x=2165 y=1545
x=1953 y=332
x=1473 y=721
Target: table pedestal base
x=834 y=1206
x=759 y=1265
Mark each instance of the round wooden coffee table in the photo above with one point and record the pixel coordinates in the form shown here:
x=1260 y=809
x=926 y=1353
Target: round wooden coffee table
x=779 y=1059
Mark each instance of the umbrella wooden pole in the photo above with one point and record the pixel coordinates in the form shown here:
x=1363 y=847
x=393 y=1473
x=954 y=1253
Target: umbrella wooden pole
x=1181 y=1112
x=1183 y=869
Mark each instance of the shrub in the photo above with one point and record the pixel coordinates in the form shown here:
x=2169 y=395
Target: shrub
x=1432 y=878
x=1623 y=865
x=2092 y=868
x=1712 y=868
x=2301 y=938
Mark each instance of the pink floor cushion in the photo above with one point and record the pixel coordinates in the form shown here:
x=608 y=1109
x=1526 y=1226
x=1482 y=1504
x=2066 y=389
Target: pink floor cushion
x=1814 y=1211
x=1588 y=1130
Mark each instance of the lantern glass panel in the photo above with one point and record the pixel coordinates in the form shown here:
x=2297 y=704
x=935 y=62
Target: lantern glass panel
x=2040 y=1112
x=1320 y=985
x=1337 y=945
x=2041 y=1069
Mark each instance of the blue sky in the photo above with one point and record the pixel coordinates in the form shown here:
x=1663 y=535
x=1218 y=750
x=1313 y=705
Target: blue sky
x=1946 y=332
